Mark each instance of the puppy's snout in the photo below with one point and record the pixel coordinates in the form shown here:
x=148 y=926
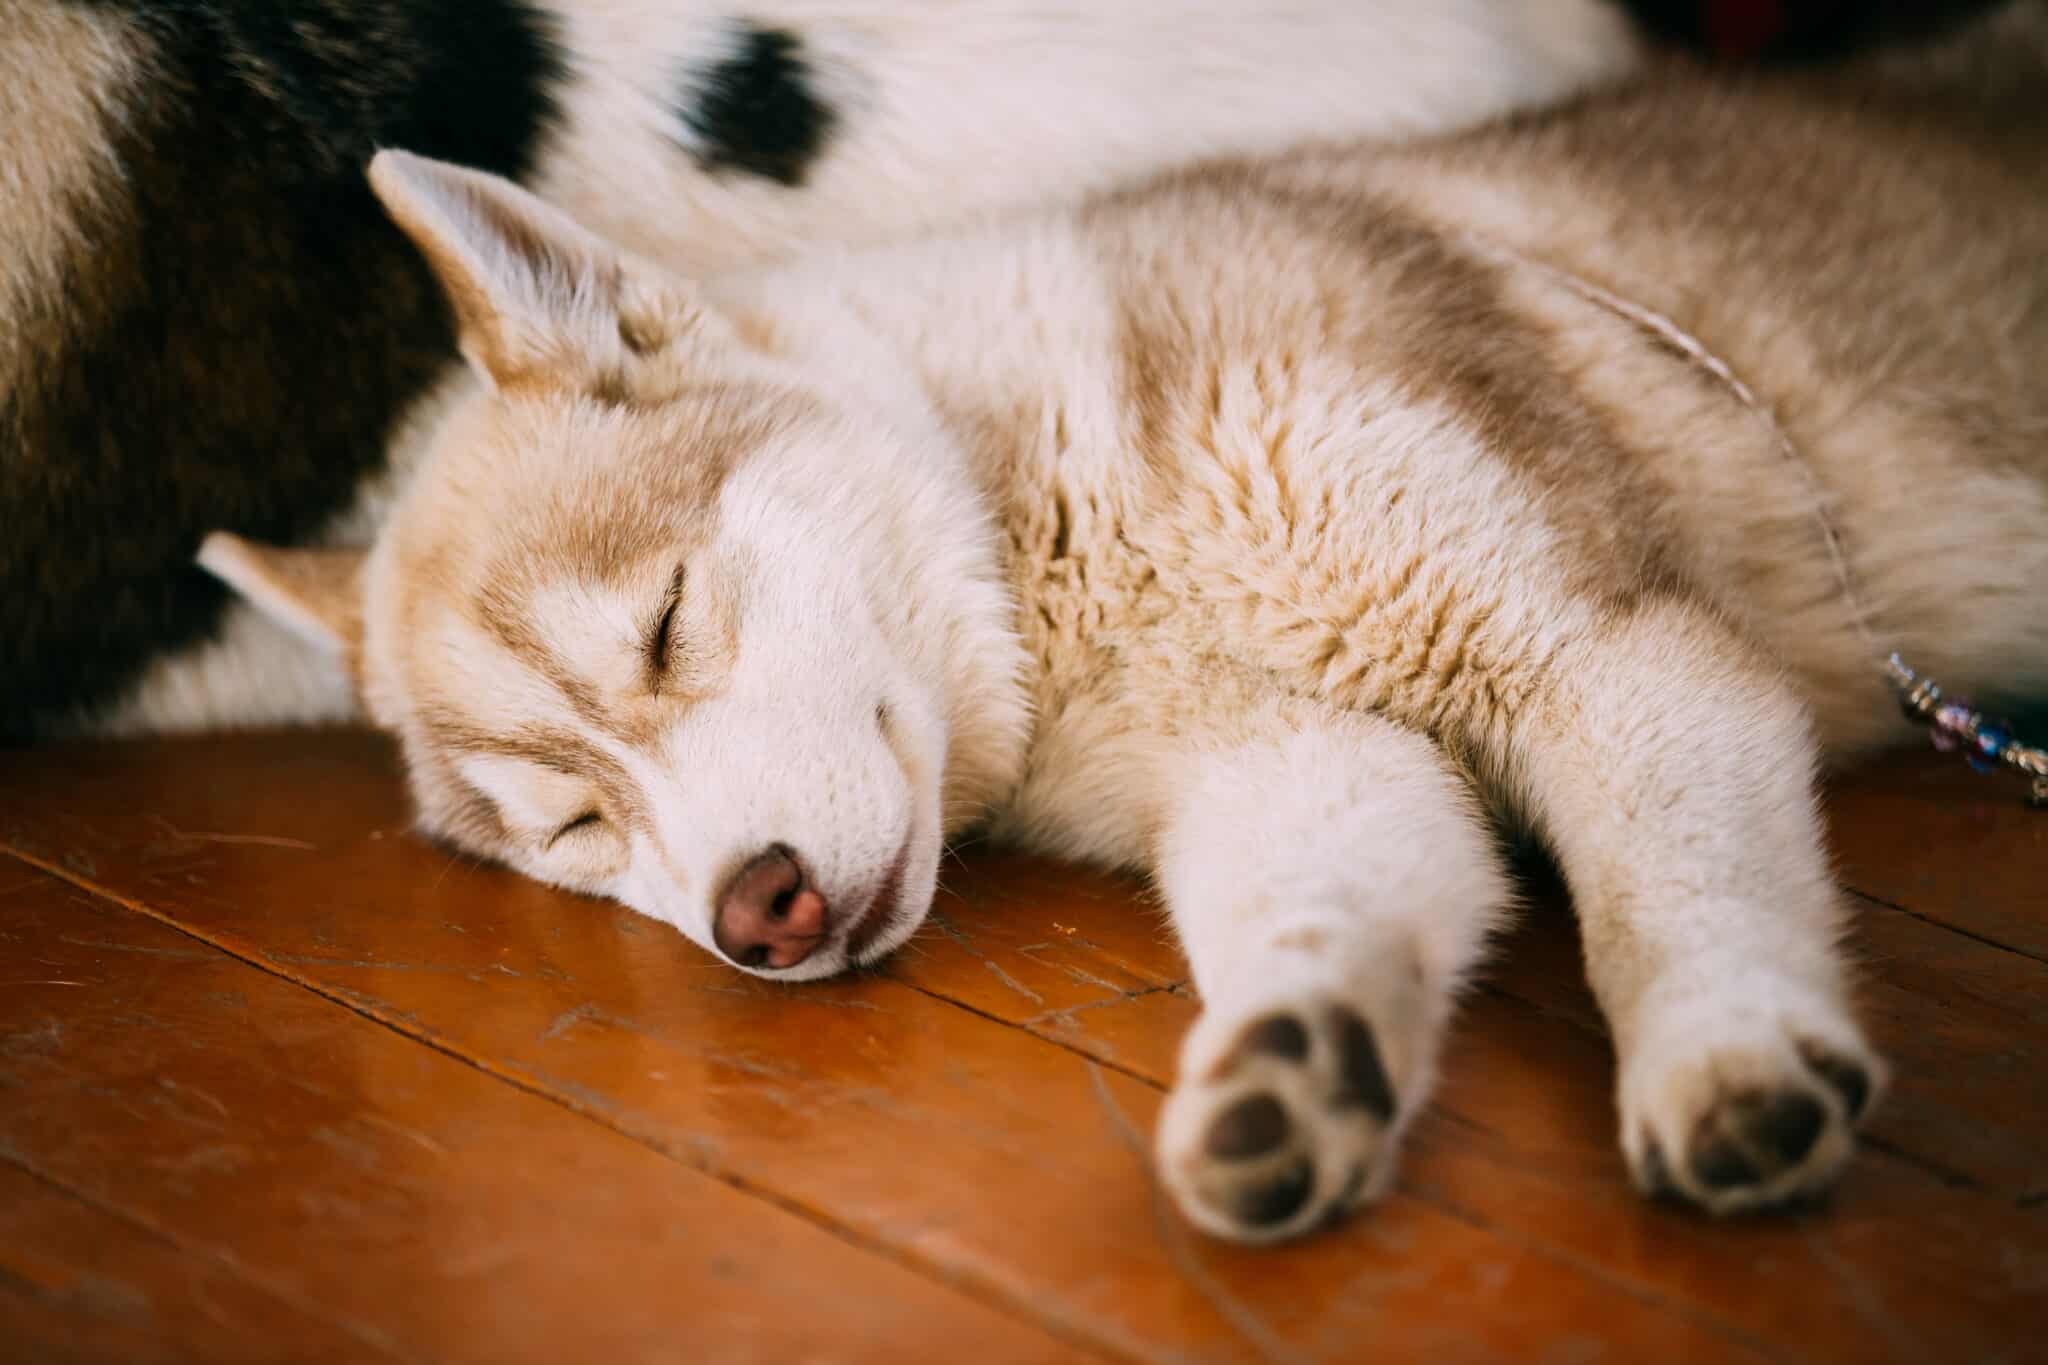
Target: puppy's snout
x=768 y=915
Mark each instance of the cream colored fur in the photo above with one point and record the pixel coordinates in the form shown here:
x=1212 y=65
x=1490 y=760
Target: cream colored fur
x=1264 y=528
x=63 y=73
x=940 y=114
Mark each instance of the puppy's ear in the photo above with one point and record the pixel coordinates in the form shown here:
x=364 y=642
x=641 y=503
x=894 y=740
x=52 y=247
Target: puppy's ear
x=315 y=594
x=537 y=299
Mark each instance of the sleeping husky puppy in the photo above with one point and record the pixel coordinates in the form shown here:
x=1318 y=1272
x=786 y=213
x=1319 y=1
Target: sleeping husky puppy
x=1262 y=528
x=205 y=317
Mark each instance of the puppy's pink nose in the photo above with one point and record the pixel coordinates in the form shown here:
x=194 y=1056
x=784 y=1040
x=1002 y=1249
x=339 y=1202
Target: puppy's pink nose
x=767 y=916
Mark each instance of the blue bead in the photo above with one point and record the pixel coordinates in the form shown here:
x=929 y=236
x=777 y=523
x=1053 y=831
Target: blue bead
x=1991 y=740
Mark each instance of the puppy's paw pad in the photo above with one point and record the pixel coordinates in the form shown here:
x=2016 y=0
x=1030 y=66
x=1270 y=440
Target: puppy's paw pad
x=1254 y=1126
x=1849 y=1079
x=1748 y=1124
x=1752 y=1136
x=1282 y=1129
x=1274 y=1035
x=1270 y=1200
x=1364 y=1077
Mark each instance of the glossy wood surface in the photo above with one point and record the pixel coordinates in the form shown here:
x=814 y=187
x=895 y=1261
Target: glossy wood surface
x=280 y=1081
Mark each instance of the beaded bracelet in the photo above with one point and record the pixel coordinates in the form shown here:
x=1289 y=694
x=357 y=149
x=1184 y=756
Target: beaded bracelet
x=1956 y=725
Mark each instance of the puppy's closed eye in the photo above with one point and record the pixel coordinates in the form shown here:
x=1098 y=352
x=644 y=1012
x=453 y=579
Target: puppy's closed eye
x=590 y=820
x=661 y=638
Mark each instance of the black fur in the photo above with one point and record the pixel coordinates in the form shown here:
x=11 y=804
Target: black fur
x=756 y=111
x=1808 y=29
x=250 y=322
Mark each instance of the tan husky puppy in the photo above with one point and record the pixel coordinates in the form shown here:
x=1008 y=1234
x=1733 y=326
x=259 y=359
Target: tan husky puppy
x=1262 y=528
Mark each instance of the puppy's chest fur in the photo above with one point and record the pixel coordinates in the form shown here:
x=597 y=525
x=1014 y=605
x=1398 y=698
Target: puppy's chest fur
x=1229 y=472
x=1276 y=541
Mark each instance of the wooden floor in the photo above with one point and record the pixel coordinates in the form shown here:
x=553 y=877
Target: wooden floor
x=280 y=1082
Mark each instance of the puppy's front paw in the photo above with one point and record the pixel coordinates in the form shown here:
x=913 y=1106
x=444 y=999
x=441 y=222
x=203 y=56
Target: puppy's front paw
x=1281 y=1120
x=1756 y=1109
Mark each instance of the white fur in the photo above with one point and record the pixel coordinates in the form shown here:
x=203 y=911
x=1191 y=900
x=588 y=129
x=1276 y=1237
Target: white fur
x=1337 y=865
x=1006 y=103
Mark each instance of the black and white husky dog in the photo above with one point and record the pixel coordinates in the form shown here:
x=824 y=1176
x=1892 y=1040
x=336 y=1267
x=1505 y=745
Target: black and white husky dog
x=206 y=320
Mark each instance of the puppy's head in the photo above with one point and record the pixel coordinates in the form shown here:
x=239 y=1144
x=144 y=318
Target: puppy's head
x=658 y=619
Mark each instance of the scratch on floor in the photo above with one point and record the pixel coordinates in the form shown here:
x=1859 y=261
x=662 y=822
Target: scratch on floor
x=1013 y=983
x=767 y=1094
x=805 y=995
x=1065 y=1017
x=1088 y=978
x=356 y=1152
x=169 y=1102
x=412 y=1135
x=591 y=1101
x=47 y=1036
x=215 y=837
x=381 y=1010
x=570 y=1018
x=380 y=965
x=141 y=950
x=216 y=1158
x=952 y=931
x=196 y=1093
x=748 y=1064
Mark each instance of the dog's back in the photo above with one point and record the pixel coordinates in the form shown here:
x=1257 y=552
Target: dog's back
x=1865 y=251
x=1862 y=252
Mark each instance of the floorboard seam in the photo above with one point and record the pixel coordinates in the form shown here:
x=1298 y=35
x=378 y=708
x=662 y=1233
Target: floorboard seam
x=371 y=1011
x=1064 y=1046
x=1929 y=920
x=1944 y=1175
x=357 y=1331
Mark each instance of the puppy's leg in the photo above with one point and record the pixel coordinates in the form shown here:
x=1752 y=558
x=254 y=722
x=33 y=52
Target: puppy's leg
x=1331 y=884
x=1673 y=773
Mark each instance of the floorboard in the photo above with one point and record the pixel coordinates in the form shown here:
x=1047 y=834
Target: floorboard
x=1522 y=1139
x=374 y=1198
x=1924 y=833
x=80 y=1284
x=954 y=1142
